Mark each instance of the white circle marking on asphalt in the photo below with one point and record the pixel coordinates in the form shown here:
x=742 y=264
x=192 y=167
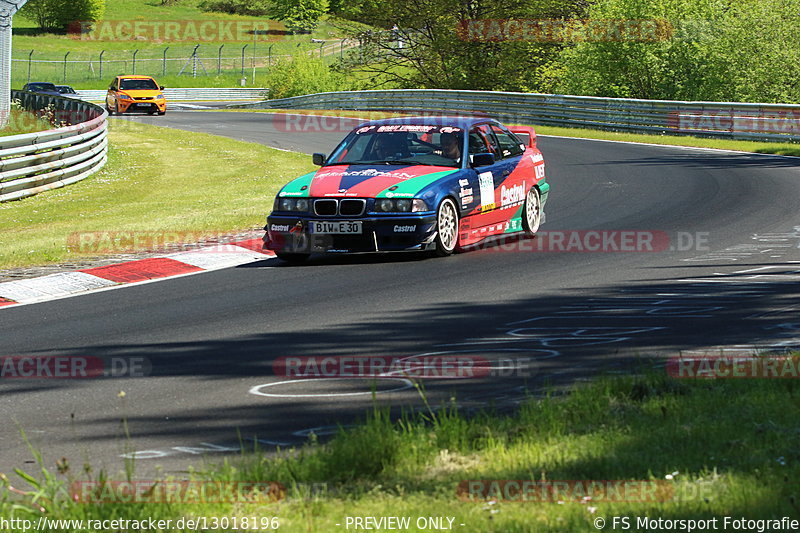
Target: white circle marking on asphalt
x=407 y=384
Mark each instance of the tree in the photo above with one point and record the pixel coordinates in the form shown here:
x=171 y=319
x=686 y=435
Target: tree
x=722 y=50
x=422 y=43
x=61 y=14
x=299 y=15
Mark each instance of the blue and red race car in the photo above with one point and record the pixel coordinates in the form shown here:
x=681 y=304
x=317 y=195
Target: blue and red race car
x=412 y=184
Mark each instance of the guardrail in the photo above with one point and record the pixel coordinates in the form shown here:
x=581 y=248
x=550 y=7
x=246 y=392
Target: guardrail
x=733 y=120
x=190 y=94
x=37 y=162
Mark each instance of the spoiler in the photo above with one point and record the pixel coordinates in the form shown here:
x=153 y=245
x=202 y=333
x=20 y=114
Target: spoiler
x=526 y=134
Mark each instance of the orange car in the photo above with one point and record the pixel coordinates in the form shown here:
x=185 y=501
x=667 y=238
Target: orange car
x=135 y=94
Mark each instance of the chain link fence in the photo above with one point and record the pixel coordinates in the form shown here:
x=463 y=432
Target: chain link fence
x=191 y=61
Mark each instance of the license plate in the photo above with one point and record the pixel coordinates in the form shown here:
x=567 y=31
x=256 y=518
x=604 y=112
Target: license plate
x=142 y=105
x=338 y=227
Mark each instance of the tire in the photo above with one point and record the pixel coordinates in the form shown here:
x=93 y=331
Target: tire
x=446 y=228
x=532 y=212
x=292 y=259
x=162 y=113
x=110 y=112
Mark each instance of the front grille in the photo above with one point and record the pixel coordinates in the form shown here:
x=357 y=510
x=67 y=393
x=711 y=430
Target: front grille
x=352 y=208
x=325 y=208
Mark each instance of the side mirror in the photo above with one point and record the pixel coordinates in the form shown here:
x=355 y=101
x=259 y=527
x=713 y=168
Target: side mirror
x=319 y=159
x=161 y=88
x=482 y=160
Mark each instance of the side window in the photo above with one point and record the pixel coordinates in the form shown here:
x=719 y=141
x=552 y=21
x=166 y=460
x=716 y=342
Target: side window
x=510 y=146
x=481 y=141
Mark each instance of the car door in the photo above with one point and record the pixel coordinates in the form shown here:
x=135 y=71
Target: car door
x=482 y=216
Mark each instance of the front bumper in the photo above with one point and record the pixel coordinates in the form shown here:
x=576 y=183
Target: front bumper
x=142 y=106
x=386 y=233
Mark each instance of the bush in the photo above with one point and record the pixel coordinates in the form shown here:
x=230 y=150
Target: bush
x=61 y=14
x=304 y=75
x=253 y=8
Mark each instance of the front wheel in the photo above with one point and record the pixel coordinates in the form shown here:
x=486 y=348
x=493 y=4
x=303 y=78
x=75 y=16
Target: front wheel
x=532 y=218
x=162 y=113
x=293 y=259
x=446 y=228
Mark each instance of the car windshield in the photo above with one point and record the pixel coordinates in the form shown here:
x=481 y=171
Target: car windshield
x=42 y=87
x=401 y=144
x=139 y=85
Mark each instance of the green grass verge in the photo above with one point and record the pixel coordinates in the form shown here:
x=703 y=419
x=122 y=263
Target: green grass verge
x=157 y=180
x=21 y=122
x=721 y=448
x=790 y=149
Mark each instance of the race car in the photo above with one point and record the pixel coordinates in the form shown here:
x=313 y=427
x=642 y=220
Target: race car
x=413 y=184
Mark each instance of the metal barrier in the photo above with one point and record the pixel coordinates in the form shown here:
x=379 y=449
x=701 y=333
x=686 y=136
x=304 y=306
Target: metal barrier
x=190 y=94
x=37 y=162
x=732 y=120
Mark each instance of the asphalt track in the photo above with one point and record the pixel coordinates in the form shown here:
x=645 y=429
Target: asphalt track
x=544 y=317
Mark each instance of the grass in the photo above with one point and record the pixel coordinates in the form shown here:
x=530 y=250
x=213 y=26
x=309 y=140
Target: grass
x=84 y=73
x=788 y=149
x=21 y=122
x=720 y=448
x=157 y=180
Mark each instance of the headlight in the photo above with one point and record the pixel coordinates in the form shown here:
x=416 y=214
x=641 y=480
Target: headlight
x=385 y=205
x=160 y=97
x=291 y=204
x=125 y=97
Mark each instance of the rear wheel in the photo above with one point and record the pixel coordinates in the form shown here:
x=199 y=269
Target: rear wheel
x=532 y=216
x=293 y=259
x=446 y=228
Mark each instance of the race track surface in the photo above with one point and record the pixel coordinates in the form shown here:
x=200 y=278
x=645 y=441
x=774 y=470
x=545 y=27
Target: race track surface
x=723 y=276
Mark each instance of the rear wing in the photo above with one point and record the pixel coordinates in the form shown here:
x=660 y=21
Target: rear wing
x=526 y=134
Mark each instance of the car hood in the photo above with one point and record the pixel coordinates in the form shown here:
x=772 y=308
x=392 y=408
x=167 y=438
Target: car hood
x=141 y=93
x=366 y=181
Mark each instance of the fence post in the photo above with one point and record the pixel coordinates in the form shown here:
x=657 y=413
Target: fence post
x=135 y=53
x=30 y=60
x=243 y=49
x=219 y=60
x=102 y=53
x=269 y=56
x=164 y=62
x=65 y=66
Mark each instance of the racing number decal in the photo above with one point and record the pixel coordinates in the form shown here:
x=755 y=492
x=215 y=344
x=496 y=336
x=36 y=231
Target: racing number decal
x=487 y=191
